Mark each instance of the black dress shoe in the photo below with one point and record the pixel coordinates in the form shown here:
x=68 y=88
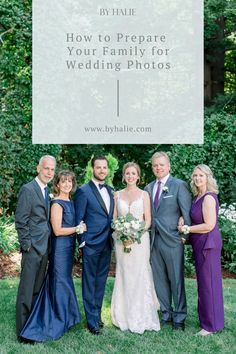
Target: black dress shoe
x=178 y=326
x=165 y=323
x=101 y=324
x=95 y=331
x=25 y=341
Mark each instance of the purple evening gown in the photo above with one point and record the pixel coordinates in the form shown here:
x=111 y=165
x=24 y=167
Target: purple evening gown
x=207 y=253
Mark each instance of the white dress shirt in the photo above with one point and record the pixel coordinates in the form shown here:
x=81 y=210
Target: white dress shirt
x=41 y=185
x=104 y=194
x=163 y=182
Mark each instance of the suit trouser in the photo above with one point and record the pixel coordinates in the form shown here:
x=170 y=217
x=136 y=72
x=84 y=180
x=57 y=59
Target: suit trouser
x=168 y=273
x=95 y=271
x=33 y=268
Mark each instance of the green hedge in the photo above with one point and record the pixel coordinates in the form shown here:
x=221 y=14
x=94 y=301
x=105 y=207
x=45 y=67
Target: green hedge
x=9 y=241
x=227 y=221
x=8 y=236
x=19 y=157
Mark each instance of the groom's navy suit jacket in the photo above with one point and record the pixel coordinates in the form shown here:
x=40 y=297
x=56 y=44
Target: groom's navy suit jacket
x=91 y=208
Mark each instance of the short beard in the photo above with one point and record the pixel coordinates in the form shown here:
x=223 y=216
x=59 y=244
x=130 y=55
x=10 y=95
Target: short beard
x=99 y=178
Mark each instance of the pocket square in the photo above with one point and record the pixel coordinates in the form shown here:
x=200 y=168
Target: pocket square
x=168 y=196
x=82 y=244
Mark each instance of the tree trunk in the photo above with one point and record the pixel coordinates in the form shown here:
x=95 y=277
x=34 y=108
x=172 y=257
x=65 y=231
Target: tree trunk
x=214 y=64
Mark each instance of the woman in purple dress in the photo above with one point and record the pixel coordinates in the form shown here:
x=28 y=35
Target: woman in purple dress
x=206 y=242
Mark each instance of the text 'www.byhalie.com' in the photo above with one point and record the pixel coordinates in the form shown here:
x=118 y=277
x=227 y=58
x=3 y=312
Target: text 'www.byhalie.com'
x=117 y=129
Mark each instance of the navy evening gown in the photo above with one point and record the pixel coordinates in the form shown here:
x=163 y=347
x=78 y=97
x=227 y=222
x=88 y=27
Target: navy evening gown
x=56 y=308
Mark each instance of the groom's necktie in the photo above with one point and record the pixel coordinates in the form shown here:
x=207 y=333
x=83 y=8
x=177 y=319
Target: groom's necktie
x=157 y=195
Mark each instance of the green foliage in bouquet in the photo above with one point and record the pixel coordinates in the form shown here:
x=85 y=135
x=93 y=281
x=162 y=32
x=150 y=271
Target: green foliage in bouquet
x=128 y=230
x=112 y=165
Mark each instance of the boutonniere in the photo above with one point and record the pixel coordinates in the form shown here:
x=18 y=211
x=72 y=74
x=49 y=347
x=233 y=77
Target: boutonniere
x=165 y=189
x=51 y=196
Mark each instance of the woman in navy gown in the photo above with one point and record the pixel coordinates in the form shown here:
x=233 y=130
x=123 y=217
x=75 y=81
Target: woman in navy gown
x=56 y=308
x=206 y=241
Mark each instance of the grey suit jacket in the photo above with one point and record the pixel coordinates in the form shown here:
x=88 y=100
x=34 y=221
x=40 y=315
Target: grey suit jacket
x=172 y=204
x=32 y=218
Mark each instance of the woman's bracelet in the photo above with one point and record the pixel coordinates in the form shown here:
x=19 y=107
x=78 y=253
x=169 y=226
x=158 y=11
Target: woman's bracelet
x=79 y=229
x=186 y=229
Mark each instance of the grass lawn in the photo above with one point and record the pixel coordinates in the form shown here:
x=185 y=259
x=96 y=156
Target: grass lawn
x=79 y=340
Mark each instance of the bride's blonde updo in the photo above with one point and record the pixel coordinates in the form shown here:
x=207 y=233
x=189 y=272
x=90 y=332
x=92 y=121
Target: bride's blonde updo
x=131 y=164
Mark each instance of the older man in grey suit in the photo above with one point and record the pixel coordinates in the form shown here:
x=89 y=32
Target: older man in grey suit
x=33 y=228
x=171 y=202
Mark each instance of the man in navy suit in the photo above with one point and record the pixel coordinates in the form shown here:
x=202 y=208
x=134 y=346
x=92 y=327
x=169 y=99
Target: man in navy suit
x=94 y=205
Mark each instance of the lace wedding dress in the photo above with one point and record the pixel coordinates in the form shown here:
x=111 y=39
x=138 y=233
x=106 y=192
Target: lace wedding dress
x=134 y=303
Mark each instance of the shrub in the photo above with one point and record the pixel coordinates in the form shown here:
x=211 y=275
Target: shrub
x=19 y=157
x=227 y=221
x=113 y=166
x=8 y=235
x=217 y=152
x=189 y=269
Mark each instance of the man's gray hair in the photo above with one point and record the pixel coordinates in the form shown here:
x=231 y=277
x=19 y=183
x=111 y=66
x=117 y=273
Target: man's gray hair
x=47 y=157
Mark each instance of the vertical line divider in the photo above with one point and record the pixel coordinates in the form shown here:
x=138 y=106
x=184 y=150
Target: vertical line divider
x=118 y=98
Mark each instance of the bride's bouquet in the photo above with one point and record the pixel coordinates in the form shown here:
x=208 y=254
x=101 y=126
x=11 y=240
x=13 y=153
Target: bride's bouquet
x=128 y=229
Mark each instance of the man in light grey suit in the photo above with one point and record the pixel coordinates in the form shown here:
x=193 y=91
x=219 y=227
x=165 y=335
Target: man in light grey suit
x=171 y=200
x=33 y=228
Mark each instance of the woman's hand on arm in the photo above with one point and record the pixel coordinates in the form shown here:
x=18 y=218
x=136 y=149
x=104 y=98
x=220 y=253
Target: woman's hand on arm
x=209 y=217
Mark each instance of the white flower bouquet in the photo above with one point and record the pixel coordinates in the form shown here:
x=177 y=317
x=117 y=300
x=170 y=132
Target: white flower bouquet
x=128 y=230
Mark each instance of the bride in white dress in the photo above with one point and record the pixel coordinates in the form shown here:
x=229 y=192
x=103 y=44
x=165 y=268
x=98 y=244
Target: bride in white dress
x=134 y=303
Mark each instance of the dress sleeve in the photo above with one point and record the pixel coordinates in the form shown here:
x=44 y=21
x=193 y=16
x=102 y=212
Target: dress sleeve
x=58 y=202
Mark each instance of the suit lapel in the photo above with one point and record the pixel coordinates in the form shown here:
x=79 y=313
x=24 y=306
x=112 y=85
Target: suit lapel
x=40 y=195
x=110 y=191
x=168 y=183
x=98 y=196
